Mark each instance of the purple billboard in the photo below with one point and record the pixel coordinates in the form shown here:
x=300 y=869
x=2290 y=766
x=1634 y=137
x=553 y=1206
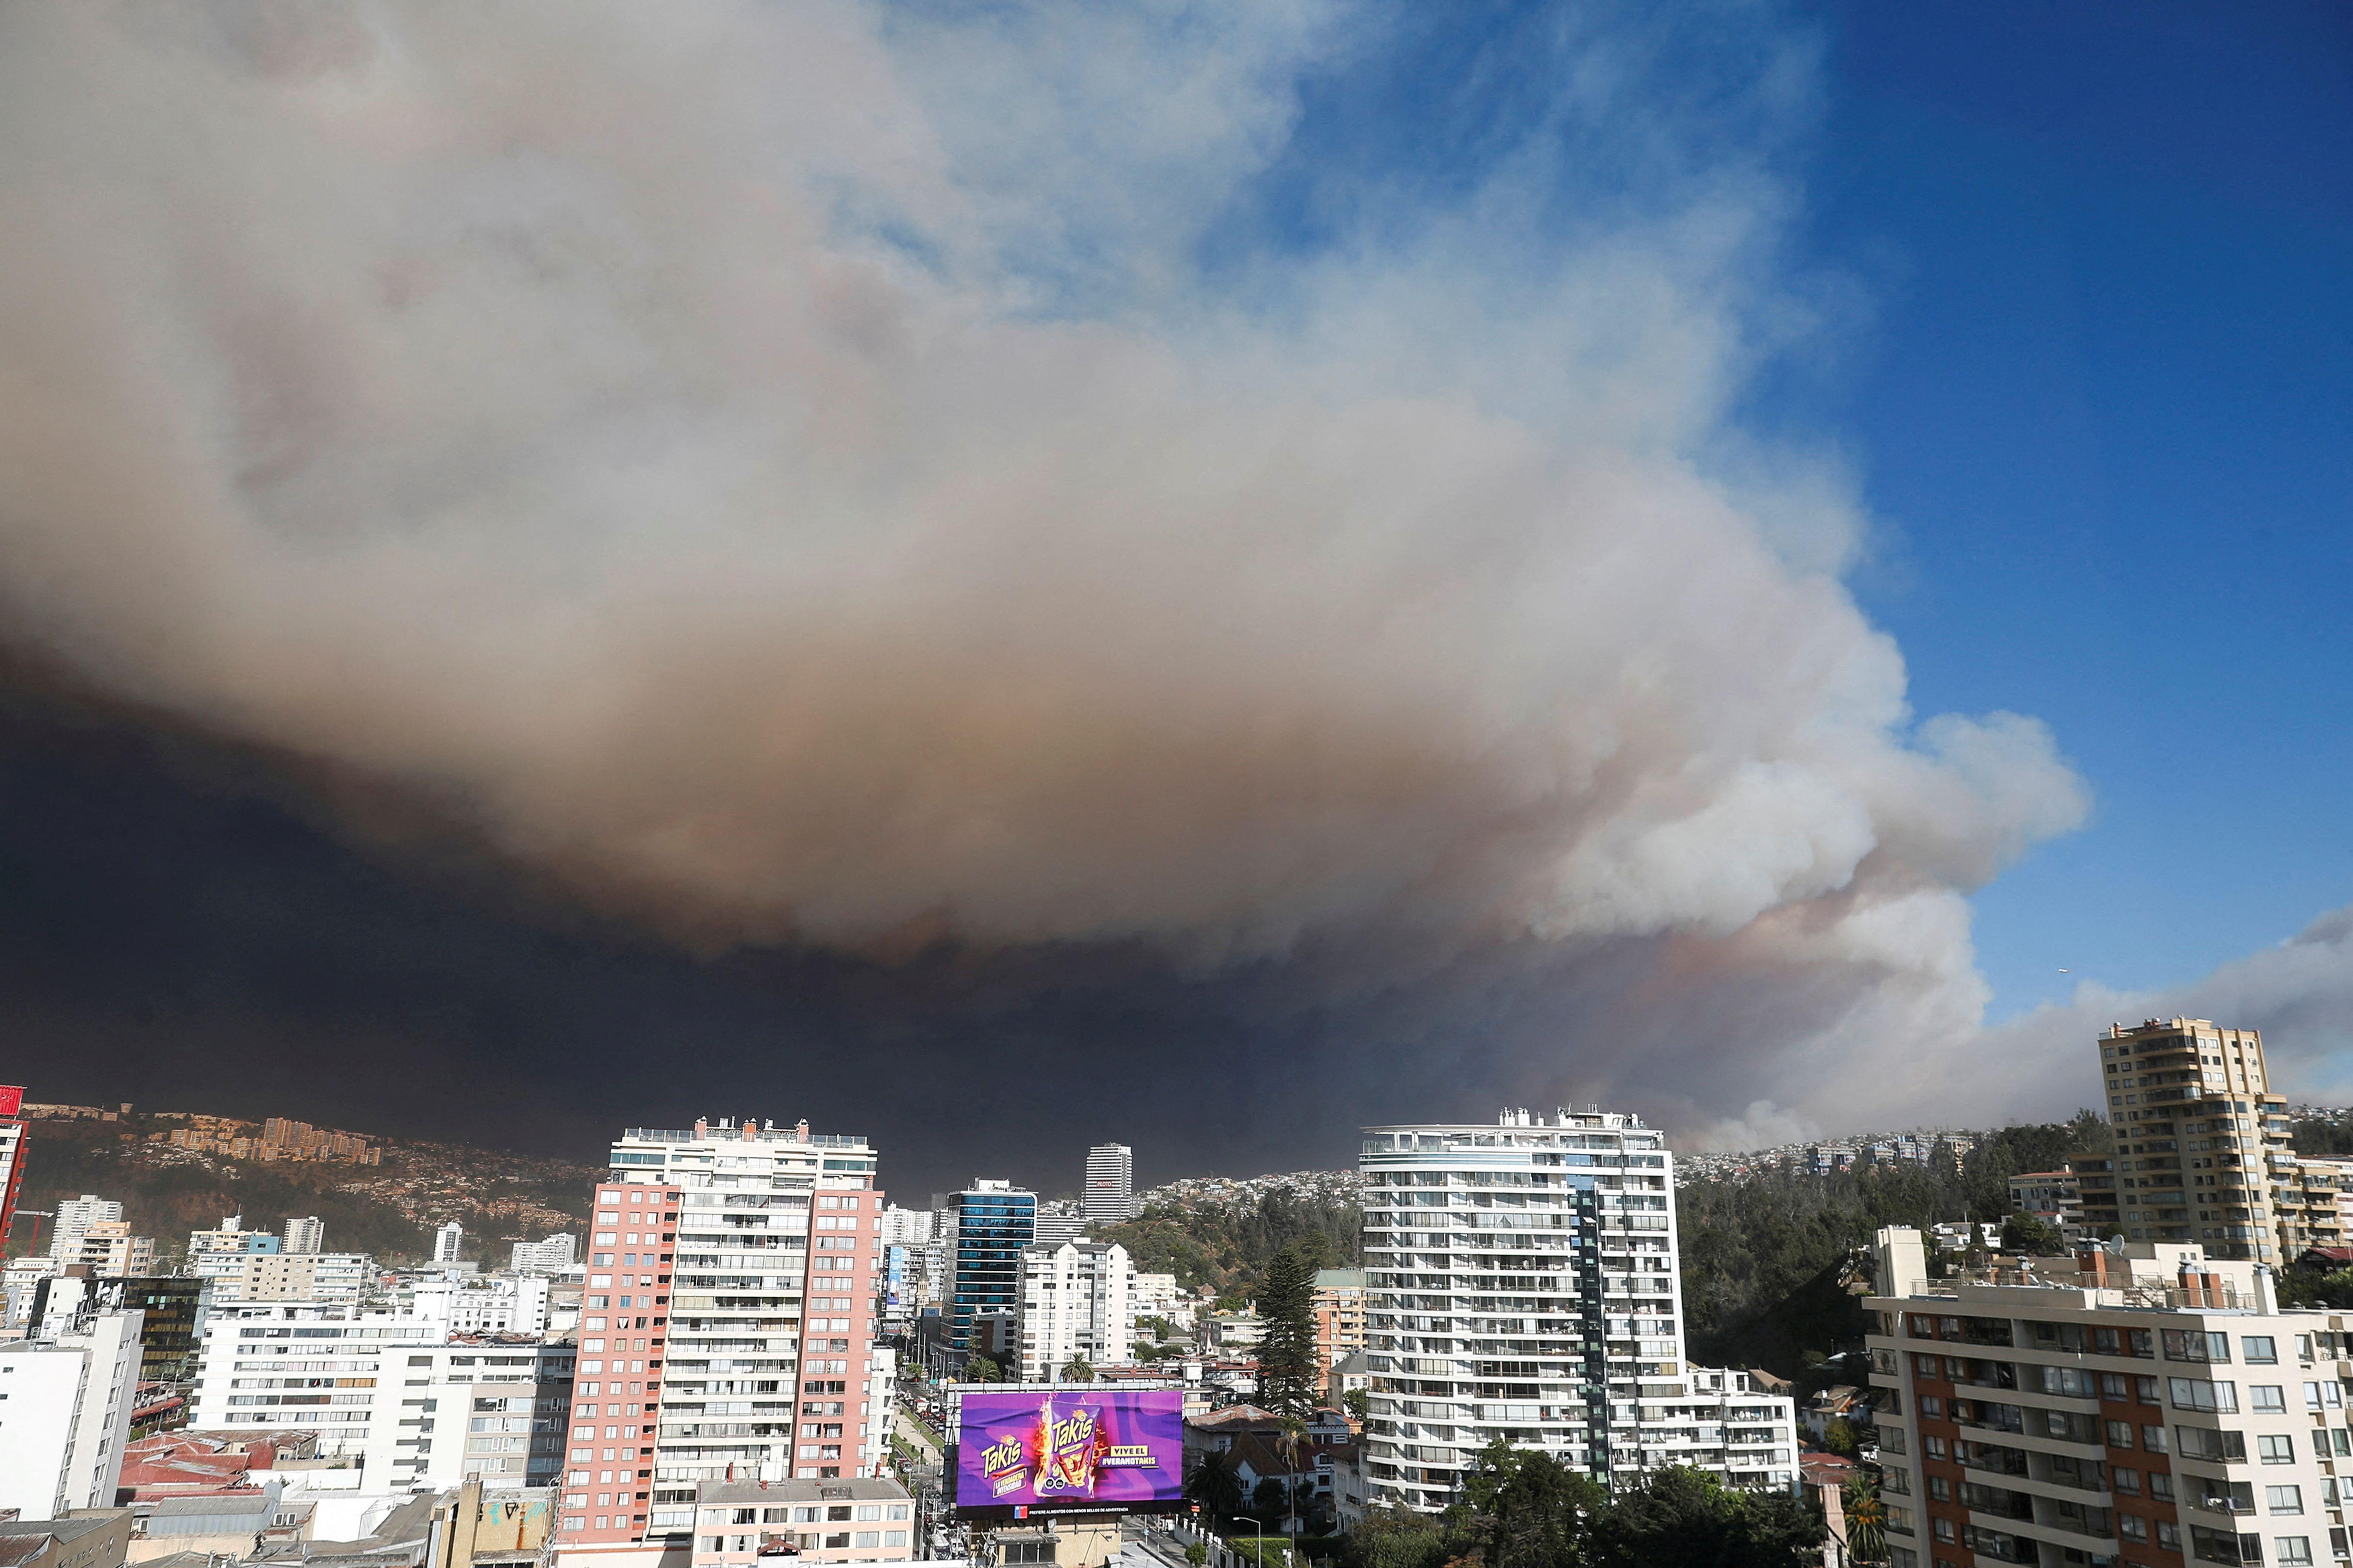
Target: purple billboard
x=1071 y=1447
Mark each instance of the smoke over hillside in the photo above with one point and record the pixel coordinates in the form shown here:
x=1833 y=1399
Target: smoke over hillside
x=831 y=478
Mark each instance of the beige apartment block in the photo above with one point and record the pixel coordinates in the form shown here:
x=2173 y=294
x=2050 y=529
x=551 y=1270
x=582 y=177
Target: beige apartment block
x=2199 y=1140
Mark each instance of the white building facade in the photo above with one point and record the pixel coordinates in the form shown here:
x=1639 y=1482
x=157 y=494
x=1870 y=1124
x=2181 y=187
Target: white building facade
x=65 y=1412
x=73 y=1219
x=307 y=1234
x=1521 y=1283
x=1077 y=1301
x=413 y=1403
x=448 y=1243
x=553 y=1255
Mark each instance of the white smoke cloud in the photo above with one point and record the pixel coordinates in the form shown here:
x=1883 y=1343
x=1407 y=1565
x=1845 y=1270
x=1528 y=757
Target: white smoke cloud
x=787 y=471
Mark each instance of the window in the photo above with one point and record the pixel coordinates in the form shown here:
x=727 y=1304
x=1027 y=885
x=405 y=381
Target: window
x=2273 y=1448
x=2296 y=1551
x=2160 y=1485
x=2270 y=1398
x=2153 y=1438
x=2127 y=1481
x=2284 y=1500
x=1939 y=1489
x=2168 y=1535
x=1932 y=1409
x=2191 y=1394
x=2113 y=1386
x=1943 y=1529
x=867 y=1538
x=1015 y=1553
x=2132 y=1527
x=2145 y=1387
x=2258 y=1349
x=2191 y=1344
x=1933 y=1445
x=2120 y=1435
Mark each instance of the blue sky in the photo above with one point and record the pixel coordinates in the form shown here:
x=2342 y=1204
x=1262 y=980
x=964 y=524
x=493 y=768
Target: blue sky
x=2103 y=409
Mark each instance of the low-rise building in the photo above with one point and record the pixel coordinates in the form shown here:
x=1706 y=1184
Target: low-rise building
x=99 y=1539
x=2053 y=1195
x=740 y=1524
x=2141 y=1403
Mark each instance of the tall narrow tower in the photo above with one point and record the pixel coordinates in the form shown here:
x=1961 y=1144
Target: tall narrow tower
x=1110 y=1195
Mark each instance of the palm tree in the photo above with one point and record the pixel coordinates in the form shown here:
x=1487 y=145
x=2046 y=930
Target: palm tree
x=1216 y=1488
x=1293 y=1432
x=1866 y=1519
x=1076 y=1370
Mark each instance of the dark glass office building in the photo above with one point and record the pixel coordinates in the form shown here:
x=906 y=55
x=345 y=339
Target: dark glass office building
x=994 y=1221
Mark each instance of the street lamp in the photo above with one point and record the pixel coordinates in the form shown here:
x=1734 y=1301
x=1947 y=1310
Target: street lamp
x=1260 y=1556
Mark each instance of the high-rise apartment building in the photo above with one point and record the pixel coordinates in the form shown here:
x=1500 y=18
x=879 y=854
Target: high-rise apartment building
x=1339 y=1315
x=1077 y=1303
x=12 y=1152
x=1521 y=1283
x=305 y=1235
x=2198 y=1135
x=2145 y=1404
x=726 y=1330
x=993 y=1221
x=450 y=1243
x=1110 y=1194
x=74 y=1218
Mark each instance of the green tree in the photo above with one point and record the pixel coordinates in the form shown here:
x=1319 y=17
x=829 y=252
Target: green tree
x=1196 y=1553
x=981 y=1369
x=1358 y=1403
x=1269 y=1497
x=1839 y=1436
x=1682 y=1518
x=1393 y=1536
x=2028 y=1233
x=1076 y=1370
x=1528 y=1511
x=1287 y=1359
x=1215 y=1487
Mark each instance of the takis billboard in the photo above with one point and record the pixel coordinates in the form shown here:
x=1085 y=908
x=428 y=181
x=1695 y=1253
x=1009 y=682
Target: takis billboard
x=1070 y=1450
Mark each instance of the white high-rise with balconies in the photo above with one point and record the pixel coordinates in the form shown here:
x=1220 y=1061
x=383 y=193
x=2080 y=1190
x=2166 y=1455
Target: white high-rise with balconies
x=74 y=1218
x=1077 y=1304
x=1521 y=1283
x=448 y=1243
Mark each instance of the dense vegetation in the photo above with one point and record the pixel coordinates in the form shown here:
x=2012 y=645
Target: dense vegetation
x=1523 y=1509
x=376 y=1210
x=2321 y=1137
x=1767 y=1260
x=1230 y=1249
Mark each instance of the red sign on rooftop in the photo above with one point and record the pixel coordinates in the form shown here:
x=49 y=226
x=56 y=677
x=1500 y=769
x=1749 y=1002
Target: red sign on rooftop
x=11 y=1100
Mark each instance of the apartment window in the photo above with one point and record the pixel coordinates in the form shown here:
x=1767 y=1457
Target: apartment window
x=2190 y=1344
x=2120 y=1435
x=1931 y=1409
x=2284 y=1500
x=2295 y=1551
x=1939 y=1489
x=2191 y=1394
x=2160 y=1485
x=2271 y=1398
x=894 y=1538
x=2168 y=1535
x=2153 y=1438
x=2258 y=1349
x=868 y=1538
x=1944 y=1530
x=2133 y=1527
x=2274 y=1448
x=2113 y=1386
x=1934 y=1446
x=2145 y=1387
x=2125 y=1481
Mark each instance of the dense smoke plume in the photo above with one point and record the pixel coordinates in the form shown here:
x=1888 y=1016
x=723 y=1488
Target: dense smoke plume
x=863 y=478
